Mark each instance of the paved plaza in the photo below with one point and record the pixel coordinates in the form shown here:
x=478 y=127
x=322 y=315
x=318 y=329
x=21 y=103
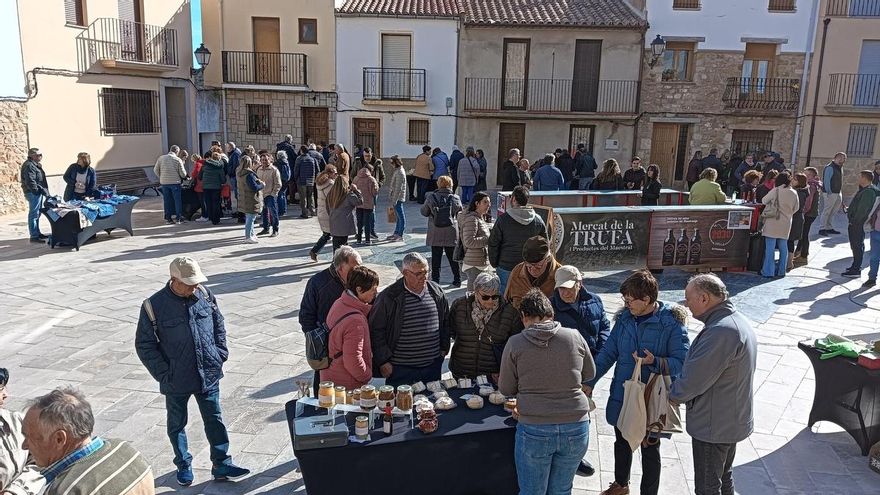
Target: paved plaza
x=69 y=317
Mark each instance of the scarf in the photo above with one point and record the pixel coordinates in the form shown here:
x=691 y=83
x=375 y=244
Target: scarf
x=538 y=282
x=481 y=317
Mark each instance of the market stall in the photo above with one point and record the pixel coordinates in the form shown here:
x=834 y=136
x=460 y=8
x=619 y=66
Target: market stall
x=656 y=237
x=471 y=452
x=582 y=199
x=75 y=222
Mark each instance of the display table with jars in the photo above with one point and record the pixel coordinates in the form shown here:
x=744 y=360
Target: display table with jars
x=465 y=435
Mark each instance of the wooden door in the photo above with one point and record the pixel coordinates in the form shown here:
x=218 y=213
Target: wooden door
x=316 y=125
x=509 y=136
x=515 y=74
x=664 y=145
x=367 y=133
x=585 y=78
x=267 y=50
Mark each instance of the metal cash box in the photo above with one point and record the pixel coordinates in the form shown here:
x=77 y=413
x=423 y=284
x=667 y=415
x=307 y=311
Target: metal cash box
x=320 y=432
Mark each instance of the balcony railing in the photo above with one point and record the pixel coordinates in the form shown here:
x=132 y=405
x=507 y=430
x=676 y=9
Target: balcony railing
x=853 y=8
x=685 y=4
x=550 y=95
x=394 y=84
x=854 y=90
x=782 y=6
x=765 y=94
x=275 y=69
x=115 y=41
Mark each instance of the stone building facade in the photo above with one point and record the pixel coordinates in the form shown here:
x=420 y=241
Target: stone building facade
x=307 y=116
x=716 y=109
x=13 y=150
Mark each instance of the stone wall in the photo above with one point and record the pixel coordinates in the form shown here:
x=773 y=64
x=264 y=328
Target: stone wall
x=285 y=113
x=13 y=150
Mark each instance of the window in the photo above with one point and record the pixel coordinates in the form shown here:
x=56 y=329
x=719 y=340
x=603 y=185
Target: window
x=782 y=6
x=258 y=119
x=861 y=140
x=308 y=31
x=749 y=141
x=75 y=12
x=685 y=4
x=515 y=68
x=678 y=61
x=128 y=111
x=418 y=132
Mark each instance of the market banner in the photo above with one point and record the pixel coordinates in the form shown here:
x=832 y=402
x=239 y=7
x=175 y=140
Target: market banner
x=710 y=238
x=602 y=238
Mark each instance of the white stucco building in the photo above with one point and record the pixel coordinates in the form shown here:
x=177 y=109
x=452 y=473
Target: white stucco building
x=396 y=68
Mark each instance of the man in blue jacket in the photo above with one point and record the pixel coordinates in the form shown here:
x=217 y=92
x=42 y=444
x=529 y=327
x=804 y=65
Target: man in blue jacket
x=577 y=308
x=181 y=340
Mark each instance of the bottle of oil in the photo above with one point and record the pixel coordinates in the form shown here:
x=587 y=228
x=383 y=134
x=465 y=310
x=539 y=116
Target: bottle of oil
x=669 y=249
x=696 y=248
x=681 y=248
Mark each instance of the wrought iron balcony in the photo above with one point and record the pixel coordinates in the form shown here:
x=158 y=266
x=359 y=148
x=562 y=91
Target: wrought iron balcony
x=854 y=91
x=762 y=94
x=853 y=8
x=127 y=44
x=550 y=95
x=259 y=68
x=394 y=84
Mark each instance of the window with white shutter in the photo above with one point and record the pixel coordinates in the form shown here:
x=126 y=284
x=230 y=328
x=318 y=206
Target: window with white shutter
x=75 y=12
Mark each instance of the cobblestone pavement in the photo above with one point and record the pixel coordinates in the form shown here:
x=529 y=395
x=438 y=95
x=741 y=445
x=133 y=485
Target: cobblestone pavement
x=68 y=317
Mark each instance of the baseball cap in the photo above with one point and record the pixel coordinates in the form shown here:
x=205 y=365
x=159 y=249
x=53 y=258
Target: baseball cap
x=34 y=151
x=567 y=276
x=187 y=271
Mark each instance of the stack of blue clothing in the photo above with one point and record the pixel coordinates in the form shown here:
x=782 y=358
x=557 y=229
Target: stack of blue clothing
x=91 y=210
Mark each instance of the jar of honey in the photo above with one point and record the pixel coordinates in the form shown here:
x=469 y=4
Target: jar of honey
x=340 y=394
x=355 y=397
x=362 y=427
x=368 y=397
x=386 y=397
x=326 y=395
x=404 y=397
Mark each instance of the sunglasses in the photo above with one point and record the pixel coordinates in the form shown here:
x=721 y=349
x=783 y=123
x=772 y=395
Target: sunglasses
x=486 y=298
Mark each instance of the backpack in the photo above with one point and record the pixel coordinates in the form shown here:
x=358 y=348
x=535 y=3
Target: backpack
x=148 y=308
x=318 y=345
x=443 y=212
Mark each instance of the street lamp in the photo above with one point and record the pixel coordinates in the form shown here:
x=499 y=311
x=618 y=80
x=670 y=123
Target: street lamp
x=203 y=56
x=658 y=46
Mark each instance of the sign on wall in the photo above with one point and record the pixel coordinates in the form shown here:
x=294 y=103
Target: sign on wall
x=694 y=239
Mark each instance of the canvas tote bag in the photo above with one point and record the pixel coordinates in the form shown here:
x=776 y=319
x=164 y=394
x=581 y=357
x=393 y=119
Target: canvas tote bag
x=633 y=415
x=663 y=417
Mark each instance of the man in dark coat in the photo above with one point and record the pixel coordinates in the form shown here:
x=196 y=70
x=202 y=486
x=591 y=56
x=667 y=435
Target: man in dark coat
x=565 y=164
x=181 y=340
x=586 y=167
x=712 y=161
x=35 y=189
x=510 y=177
x=287 y=147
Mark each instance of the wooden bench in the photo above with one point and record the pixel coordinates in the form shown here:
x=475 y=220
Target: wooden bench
x=128 y=179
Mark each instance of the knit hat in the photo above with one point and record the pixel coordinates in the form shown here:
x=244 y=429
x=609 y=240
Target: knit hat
x=535 y=249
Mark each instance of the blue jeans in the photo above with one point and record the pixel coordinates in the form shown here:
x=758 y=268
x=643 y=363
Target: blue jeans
x=282 y=198
x=503 y=275
x=249 y=219
x=771 y=268
x=270 y=213
x=401 y=219
x=35 y=202
x=365 y=224
x=584 y=183
x=215 y=430
x=171 y=201
x=547 y=456
x=875 y=255
x=467 y=192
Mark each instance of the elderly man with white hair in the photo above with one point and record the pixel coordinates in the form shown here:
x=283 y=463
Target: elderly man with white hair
x=170 y=170
x=408 y=328
x=716 y=384
x=480 y=324
x=58 y=431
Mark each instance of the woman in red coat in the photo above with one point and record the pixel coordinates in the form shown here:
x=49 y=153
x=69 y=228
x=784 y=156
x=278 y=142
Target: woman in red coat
x=349 y=344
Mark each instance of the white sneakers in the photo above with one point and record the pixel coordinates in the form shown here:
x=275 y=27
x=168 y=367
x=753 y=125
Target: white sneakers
x=201 y=219
x=251 y=240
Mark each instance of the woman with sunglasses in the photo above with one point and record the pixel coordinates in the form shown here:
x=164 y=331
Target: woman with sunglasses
x=475 y=323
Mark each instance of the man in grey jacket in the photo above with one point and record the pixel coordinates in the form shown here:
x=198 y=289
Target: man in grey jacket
x=716 y=384
x=169 y=168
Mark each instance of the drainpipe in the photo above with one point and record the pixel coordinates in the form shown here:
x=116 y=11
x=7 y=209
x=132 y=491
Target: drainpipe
x=457 y=64
x=818 y=84
x=222 y=48
x=805 y=79
x=635 y=149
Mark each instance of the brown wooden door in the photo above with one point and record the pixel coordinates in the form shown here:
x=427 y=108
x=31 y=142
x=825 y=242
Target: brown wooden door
x=316 y=125
x=664 y=144
x=267 y=48
x=367 y=134
x=509 y=136
x=515 y=74
x=585 y=78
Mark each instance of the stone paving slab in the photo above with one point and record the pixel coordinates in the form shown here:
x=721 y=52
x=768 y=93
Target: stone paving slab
x=68 y=317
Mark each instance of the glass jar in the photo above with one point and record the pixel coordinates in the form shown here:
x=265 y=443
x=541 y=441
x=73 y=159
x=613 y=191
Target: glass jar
x=362 y=427
x=368 y=397
x=404 y=398
x=349 y=397
x=326 y=395
x=386 y=397
x=510 y=405
x=340 y=394
x=355 y=397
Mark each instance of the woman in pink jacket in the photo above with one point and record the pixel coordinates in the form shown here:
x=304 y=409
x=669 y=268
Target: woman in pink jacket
x=349 y=343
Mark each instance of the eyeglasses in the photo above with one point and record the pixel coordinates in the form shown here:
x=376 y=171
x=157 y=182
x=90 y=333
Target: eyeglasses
x=494 y=297
x=421 y=273
x=540 y=264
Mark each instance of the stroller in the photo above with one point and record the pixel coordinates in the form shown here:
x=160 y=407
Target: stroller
x=192 y=206
x=226 y=201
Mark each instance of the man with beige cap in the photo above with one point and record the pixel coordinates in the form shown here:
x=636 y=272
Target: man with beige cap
x=181 y=340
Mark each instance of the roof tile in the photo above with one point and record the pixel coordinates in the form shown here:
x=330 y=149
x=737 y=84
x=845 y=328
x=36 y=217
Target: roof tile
x=443 y=8
x=590 y=13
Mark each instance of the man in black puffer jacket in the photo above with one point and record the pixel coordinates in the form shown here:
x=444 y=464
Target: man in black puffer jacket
x=510 y=233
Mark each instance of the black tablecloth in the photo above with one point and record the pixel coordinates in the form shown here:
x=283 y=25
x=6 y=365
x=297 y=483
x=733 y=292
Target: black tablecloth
x=470 y=453
x=66 y=230
x=847 y=395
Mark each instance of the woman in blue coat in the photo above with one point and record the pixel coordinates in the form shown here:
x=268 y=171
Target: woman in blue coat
x=649 y=329
x=80 y=178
